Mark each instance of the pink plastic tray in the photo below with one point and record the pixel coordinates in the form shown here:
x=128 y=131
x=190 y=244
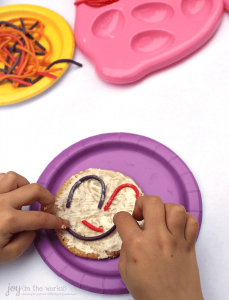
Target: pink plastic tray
x=131 y=38
x=154 y=167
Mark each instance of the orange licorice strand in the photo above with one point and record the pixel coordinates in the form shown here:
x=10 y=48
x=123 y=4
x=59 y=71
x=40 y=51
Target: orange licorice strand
x=3 y=44
x=13 y=37
x=22 y=68
x=23 y=76
x=26 y=74
x=49 y=52
x=4 y=62
x=42 y=64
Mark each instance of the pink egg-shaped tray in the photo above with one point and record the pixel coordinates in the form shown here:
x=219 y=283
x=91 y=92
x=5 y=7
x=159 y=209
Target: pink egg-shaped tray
x=129 y=39
x=154 y=167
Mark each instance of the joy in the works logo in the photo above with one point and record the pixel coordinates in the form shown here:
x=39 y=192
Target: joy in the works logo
x=23 y=290
x=16 y=289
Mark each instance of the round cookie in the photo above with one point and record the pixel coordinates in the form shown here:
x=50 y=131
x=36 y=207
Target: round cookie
x=84 y=206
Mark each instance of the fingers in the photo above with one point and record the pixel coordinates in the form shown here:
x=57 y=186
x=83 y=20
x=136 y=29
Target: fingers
x=32 y=220
x=122 y=262
x=126 y=225
x=18 y=245
x=152 y=210
x=191 y=229
x=1 y=175
x=11 y=181
x=175 y=219
x=29 y=194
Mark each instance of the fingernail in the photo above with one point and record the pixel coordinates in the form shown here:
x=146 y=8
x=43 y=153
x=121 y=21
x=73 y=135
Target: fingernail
x=67 y=223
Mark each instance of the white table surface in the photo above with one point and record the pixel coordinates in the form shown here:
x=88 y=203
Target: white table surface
x=185 y=107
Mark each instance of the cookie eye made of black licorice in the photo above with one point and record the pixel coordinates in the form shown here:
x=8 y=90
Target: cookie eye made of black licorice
x=69 y=201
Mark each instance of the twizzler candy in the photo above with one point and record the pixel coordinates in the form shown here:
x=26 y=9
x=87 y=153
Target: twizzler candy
x=118 y=189
x=127 y=40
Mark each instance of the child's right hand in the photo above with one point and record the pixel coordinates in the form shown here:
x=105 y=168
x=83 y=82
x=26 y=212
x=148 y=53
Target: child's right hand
x=17 y=227
x=158 y=262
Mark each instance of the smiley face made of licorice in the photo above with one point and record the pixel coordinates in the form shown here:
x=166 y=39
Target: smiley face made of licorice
x=77 y=184
x=91 y=215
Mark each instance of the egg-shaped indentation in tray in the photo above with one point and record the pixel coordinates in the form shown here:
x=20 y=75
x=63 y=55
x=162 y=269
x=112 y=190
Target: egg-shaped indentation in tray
x=155 y=41
x=153 y=12
x=196 y=9
x=108 y=24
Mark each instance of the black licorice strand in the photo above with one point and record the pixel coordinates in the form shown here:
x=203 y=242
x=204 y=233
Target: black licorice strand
x=71 y=193
x=78 y=183
x=59 y=61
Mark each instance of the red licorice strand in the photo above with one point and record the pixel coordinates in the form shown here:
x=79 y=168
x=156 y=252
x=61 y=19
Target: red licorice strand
x=95 y=3
x=18 y=80
x=92 y=227
x=26 y=70
x=47 y=75
x=13 y=59
x=119 y=188
x=20 y=42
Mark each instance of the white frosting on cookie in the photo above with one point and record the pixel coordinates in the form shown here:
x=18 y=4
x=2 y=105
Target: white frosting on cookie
x=84 y=206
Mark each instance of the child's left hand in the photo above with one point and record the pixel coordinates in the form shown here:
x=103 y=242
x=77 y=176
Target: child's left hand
x=17 y=227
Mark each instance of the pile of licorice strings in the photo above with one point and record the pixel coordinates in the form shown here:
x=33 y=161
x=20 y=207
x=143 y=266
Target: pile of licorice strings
x=24 y=59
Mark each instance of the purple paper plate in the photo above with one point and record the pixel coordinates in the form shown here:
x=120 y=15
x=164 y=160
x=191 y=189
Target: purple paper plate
x=154 y=167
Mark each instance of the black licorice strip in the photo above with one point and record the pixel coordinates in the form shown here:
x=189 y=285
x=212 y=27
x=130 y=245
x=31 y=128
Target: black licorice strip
x=94 y=238
x=34 y=25
x=40 y=53
x=57 y=62
x=15 y=64
x=23 y=28
x=36 y=43
x=77 y=184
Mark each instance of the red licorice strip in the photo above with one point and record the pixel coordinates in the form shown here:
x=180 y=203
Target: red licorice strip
x=96 y=3
x=47 y=75
x=119 y=188
x=18 y=80
x=20 y=42
x=86 y=223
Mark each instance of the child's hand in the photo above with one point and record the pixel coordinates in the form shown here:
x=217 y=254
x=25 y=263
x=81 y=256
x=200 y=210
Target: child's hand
x=17 y=227
x=158 y=262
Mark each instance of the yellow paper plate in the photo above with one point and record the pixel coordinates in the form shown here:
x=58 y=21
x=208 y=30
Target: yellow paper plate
x=61 y=37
